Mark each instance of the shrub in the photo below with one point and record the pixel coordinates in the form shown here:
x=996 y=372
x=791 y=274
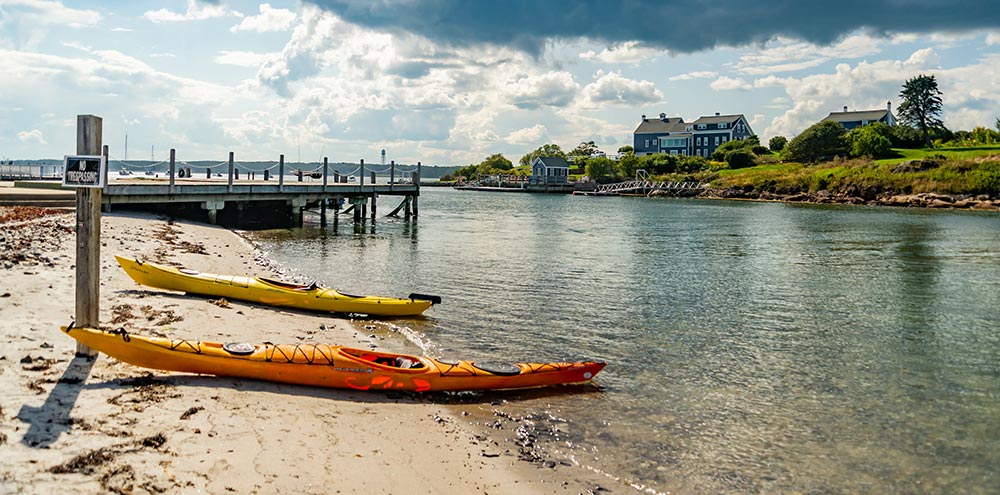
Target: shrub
x=740 y=159
x=691 y=164
x=822 y=140
x=870 y=140
x=777 y=143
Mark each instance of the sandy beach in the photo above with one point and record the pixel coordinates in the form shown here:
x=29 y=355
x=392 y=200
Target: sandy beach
x=75 y=425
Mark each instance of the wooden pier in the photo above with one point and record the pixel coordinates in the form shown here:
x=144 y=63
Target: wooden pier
x=256 y=198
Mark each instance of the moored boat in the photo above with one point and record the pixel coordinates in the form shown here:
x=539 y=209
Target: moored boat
x=272 y=292
x=325 y=365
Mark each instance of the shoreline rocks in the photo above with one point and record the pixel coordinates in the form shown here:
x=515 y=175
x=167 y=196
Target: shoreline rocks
x=866 y=197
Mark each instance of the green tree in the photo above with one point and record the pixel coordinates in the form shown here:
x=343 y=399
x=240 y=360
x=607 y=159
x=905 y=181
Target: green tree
x=777 y=143
x=545 y=150
x=628 y=164
x=904 y=136
x=585 y=149
x=921 y=106
x=629 y=150
x=997 y=124
x=494 y=164
x=870 y=140
x=601 y=169
x=822 y=140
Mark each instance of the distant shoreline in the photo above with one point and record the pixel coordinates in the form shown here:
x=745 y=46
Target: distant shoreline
x=921 y=200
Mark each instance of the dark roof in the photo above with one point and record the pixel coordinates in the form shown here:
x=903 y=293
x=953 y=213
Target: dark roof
x=718 y=119
x=657 y=126
x=554 y=162
x=869 y=115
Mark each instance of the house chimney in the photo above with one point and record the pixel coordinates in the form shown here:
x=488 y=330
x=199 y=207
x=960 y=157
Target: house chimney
x=845 y=108
x=643 y=117
x=888 y=106
x=663 y=117
x=716 y=114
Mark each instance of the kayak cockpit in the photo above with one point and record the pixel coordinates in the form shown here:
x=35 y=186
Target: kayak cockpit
x=288 y=286
x=400 y=361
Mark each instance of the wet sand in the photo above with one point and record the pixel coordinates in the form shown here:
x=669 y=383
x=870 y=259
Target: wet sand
x=72 y=424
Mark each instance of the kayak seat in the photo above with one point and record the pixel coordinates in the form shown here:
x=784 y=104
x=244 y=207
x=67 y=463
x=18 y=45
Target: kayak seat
x=407 y=363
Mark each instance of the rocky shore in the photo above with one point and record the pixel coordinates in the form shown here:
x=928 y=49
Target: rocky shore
x=856 y=196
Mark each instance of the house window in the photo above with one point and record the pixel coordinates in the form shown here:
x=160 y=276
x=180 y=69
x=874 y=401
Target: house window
x=646 y=144
x=673 y=152
x=702 y=126
x=723 y=139
x=698 y=140
x=722 y=125
x=716 y=140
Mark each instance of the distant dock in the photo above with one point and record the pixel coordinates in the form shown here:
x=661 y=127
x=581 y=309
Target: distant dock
x=646 y=188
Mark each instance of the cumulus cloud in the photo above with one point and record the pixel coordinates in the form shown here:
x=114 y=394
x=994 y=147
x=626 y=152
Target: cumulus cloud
x=269 y=19
x=993 y=38
x=968 y=101
x=528 y=91
x=244 y=59
x=194 y=12
x=528 y=135
x=701 y=74
x=628 y=52
x=46 y=13
x=529 y=25
x=612 y=88
x=786 y=55
x=32 y=136
x=726 y=83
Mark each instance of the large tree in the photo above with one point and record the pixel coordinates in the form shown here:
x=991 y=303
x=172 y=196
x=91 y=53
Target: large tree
x=494 y=164
x=585 y=149
x=921 y=106
x=546 y=150
x=821 y=141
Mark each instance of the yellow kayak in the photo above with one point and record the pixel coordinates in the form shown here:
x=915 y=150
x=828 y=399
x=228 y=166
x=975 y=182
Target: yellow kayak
x=324 y=365
x=271 y=292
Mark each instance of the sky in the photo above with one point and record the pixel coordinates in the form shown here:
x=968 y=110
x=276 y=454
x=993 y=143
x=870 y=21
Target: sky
x=450 y=82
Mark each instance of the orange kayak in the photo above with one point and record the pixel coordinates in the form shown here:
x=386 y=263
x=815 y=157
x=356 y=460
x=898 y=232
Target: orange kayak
x=324 y=365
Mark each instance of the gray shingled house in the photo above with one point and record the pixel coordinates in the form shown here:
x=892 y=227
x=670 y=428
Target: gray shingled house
x=549 y=170
x=855 y=119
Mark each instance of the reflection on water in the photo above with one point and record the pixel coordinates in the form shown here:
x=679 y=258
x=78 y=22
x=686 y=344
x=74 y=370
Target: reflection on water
x=753 y=347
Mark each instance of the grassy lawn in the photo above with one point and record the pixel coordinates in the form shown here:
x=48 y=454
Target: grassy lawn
x=962 y=171
x=974 y=152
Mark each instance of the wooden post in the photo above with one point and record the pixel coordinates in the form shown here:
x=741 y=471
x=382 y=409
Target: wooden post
x=229 y=187
x=326 y=167
x=281 y=173
x=406 y=208
x=373 y=178
x=362 y=173
x=172 y=169
x=374 y=201
x=89 y=133
x=416 y=197
x=104 y=153
x=392 y=173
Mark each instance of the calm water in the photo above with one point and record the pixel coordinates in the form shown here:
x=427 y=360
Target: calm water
x=753 y=347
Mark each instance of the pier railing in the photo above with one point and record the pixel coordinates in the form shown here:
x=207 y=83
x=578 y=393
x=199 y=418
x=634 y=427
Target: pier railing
x=646 y=187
